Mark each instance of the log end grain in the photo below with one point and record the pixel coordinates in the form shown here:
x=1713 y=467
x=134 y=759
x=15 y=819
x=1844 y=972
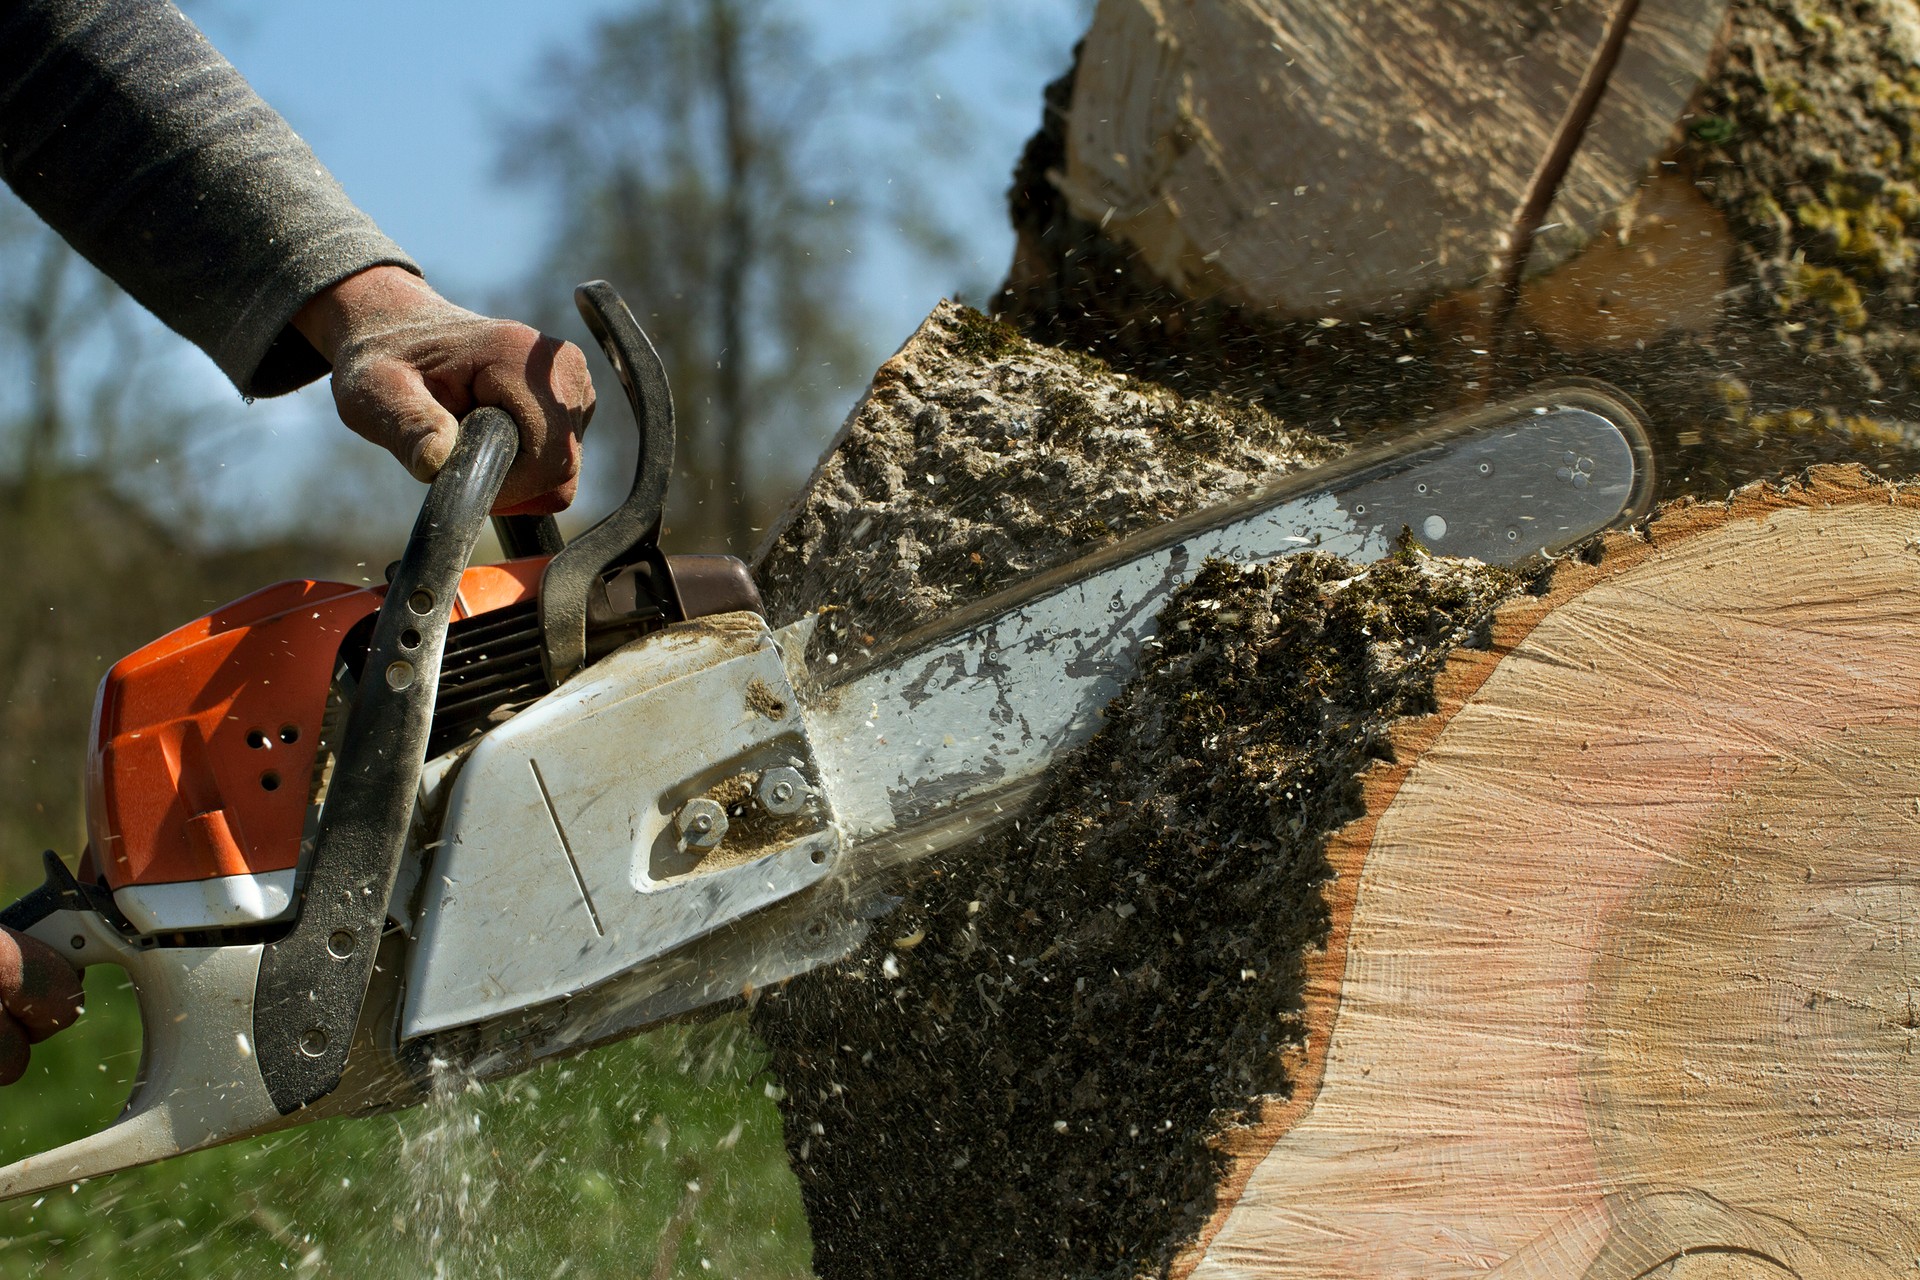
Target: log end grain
x=1620 y=961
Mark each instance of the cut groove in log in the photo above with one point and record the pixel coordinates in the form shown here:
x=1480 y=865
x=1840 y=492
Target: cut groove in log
x=1623 y=978
x=1019 y=1073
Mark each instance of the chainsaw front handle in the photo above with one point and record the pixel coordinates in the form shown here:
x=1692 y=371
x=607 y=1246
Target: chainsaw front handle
x=312 y=981
x=238 y=1038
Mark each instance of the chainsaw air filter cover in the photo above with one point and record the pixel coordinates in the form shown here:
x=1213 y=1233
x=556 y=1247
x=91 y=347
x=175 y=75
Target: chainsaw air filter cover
x=208 y=755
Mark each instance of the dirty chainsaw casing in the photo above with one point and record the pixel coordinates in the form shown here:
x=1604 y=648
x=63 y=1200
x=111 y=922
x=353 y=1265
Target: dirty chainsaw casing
x=270 y=785
x=484 y=816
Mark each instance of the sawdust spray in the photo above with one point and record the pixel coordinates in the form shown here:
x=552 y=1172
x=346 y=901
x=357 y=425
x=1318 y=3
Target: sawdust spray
x=445 y=1162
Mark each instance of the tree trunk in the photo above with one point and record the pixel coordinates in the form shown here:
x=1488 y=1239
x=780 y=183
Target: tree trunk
x=1612 y=970
x=1421 y=918
x=1749 y=280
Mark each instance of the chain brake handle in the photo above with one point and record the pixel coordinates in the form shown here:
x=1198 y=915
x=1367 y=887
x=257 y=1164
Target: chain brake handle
x=630 y=533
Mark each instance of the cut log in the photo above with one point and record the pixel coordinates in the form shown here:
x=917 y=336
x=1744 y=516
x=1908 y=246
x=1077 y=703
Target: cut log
x=979 y=459
x=1613 y=975
x=1624 y=963
x=1607 y=970
x=1318 y=159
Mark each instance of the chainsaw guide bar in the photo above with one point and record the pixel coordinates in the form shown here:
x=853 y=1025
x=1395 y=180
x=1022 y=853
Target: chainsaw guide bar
x=947 y=730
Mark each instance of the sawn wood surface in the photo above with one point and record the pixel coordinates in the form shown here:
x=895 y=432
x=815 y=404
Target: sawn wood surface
x=1625 y=978
x=1347 y=159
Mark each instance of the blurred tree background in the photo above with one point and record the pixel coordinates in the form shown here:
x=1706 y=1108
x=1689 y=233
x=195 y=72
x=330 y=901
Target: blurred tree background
x=725 y=168
x=744 y=171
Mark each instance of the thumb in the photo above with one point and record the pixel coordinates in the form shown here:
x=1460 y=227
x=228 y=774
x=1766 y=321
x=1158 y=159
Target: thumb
x=388 y=403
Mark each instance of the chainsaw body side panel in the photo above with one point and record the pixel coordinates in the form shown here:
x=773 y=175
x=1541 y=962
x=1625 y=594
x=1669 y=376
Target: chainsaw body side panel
x=664 y=792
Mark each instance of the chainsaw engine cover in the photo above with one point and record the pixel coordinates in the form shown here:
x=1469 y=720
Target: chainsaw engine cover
x=207 y=759
x=666 y=791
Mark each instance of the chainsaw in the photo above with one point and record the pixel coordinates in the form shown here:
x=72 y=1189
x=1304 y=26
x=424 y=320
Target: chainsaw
x=476 y=818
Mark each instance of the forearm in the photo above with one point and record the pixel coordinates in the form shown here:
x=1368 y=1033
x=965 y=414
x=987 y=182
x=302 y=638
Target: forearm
x=379 y=298
x=124 y=129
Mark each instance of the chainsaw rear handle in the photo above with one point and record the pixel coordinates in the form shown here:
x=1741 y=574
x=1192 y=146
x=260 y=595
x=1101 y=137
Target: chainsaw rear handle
x=237 y=1038
x=197 y=1086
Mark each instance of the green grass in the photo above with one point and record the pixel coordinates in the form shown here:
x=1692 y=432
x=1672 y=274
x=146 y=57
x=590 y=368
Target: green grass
x=654 y=1158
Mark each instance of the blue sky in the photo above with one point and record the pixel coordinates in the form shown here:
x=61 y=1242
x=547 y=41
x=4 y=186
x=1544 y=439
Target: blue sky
x=403 y=101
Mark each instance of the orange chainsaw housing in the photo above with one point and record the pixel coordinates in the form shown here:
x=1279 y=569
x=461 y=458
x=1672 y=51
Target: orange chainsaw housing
x=201 y=763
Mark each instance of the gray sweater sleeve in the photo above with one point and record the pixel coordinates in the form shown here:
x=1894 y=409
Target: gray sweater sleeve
x=130 y=134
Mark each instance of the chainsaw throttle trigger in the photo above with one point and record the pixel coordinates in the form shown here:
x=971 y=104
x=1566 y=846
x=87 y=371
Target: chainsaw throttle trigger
x=313 y=981
x=59 y=892
x=630 y=532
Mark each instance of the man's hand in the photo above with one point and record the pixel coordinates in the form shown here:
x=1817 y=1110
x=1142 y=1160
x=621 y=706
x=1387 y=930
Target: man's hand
x=39 y=995
x=408 y=364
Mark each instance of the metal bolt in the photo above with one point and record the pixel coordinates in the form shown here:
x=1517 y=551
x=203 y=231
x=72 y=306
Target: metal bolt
x=702 y=823
x=314 y=1043
x=782 y=791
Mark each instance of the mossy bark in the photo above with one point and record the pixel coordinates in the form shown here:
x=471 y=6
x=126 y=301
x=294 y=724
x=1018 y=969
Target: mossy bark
x=978 y=458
